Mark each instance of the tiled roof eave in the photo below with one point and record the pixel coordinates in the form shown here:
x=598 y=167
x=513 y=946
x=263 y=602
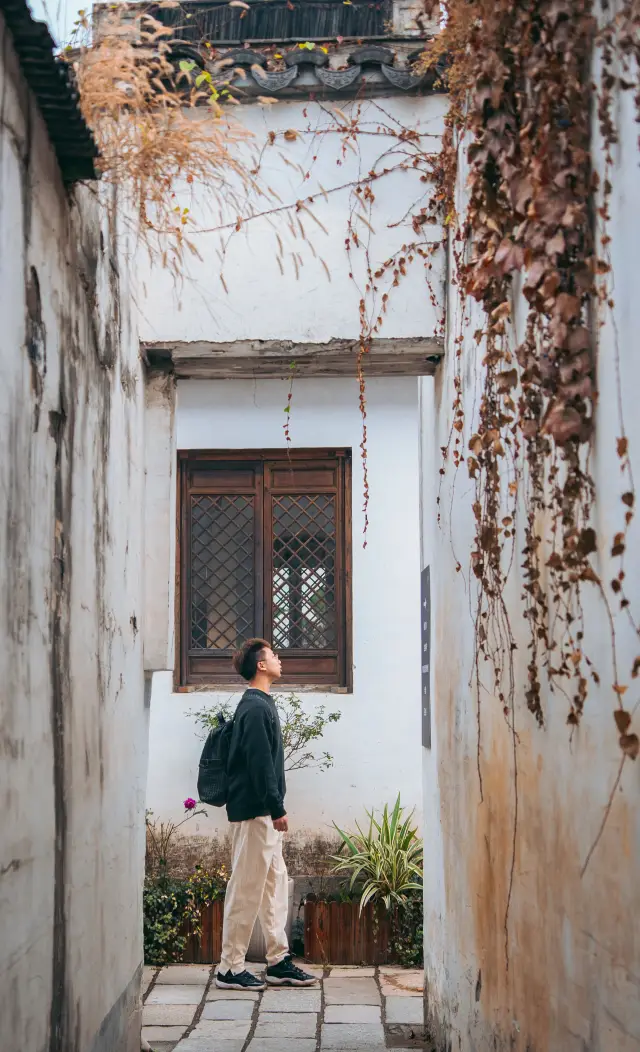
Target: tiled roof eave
x=51 y=82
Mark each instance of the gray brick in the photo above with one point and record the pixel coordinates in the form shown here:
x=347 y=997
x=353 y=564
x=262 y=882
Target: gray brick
x=300 y=1000
x=281 y=1044
x=223 y=1029
x=287 y=1025
x=352 y=1014
x=231 y=995
x=228 y=1010
x=352 y=972
x=162 y=1033
x=208 y=1043
x=351 y=992
x=184 y=975
x=175 y=995
x=345 y=1037
x=168 y=1015
x=405 y=1010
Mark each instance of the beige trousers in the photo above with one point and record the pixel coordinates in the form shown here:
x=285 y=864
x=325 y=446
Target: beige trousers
x=258 y=888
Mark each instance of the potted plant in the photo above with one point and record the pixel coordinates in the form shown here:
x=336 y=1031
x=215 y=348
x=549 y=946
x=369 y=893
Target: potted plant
x=374 y=922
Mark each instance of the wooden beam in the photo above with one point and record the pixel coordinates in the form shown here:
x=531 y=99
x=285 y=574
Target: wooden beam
x=255 y=359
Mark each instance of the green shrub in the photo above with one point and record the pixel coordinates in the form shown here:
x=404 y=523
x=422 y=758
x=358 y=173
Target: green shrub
x=406 y=942
x=170 y=906
x=300 y=730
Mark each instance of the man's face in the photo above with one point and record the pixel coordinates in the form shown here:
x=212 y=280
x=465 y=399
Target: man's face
x=270 y=663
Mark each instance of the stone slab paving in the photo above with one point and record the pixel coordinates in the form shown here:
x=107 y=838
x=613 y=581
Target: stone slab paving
x=401 y=983
x=162 y=1033
x=351 y=971
x=305 y=1000
x=228 y=1010
x=405 y=1010
x=147 y=976
x=223 y=1029
x=183 y=974
x=176 y=995
x=352 y=1014
x=205 y=1043
x=351 y=992
x=215 y=994
x=352 y=1035
x=186 y=1013
x=282 y=1044
x=303 y=1025
x=168 y=1015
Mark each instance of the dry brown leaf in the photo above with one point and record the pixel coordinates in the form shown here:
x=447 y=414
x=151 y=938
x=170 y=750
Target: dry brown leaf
x=630 y=745
x=623 y=719
x=502 y=311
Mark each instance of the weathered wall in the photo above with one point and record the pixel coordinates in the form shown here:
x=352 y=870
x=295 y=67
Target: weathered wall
x=72 y=718
x=376 y=742
x=260 y=302
x=564 y=976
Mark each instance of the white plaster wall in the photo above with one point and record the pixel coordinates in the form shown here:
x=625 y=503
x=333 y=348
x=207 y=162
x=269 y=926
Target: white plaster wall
x=376 y=744
x=261 y=303
x=573 y=945
x=73 y=725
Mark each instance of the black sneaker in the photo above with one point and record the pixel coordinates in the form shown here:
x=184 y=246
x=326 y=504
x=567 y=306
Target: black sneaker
x=287 y=974
x=242 y=981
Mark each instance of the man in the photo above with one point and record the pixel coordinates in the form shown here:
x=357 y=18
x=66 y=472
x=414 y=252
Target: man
x=259 y=885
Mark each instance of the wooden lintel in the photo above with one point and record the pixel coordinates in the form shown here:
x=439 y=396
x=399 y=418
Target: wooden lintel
x=255 y=359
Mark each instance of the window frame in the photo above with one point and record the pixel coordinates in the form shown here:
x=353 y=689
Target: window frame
x=341 y=681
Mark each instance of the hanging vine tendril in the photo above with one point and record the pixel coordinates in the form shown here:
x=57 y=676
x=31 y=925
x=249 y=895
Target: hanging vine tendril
x=530 y=246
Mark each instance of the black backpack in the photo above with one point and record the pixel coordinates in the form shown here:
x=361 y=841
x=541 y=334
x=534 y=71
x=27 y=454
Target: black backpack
x=213 y=780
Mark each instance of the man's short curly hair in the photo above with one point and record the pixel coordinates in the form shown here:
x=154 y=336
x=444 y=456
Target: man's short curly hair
x=245 y=660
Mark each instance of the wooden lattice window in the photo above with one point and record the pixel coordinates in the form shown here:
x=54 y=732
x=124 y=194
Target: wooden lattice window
x=265 y=550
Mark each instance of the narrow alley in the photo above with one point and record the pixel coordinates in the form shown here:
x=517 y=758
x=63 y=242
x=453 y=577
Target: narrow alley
x=320 y=603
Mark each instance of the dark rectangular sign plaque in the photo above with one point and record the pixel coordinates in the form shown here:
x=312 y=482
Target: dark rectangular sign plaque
x=425 y=634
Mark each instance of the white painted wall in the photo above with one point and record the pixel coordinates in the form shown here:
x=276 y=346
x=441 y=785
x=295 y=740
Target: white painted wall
x=73 y=725
x=574 y=949
x=376 y=744
x=263 y=304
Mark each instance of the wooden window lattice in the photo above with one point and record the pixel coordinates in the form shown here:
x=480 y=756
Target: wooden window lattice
x=303 y=585
x=265 y=550
x=222 y=577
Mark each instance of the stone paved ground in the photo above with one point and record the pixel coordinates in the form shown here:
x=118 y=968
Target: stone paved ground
x=351 y=1010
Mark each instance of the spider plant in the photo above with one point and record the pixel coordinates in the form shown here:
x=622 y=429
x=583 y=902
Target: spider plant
x=386 y=858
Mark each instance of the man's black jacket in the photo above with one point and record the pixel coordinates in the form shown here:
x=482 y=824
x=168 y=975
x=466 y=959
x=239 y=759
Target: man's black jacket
x=256 y=760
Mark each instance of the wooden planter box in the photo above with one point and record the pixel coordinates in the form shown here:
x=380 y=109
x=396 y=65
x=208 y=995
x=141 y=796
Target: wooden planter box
x=334 y=933
x=337 y=933
x=207 y=949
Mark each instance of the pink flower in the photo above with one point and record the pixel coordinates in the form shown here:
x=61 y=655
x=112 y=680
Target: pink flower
x=189 y=804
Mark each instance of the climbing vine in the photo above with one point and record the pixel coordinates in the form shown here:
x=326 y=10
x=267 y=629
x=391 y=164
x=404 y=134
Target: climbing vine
x=530 y=247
